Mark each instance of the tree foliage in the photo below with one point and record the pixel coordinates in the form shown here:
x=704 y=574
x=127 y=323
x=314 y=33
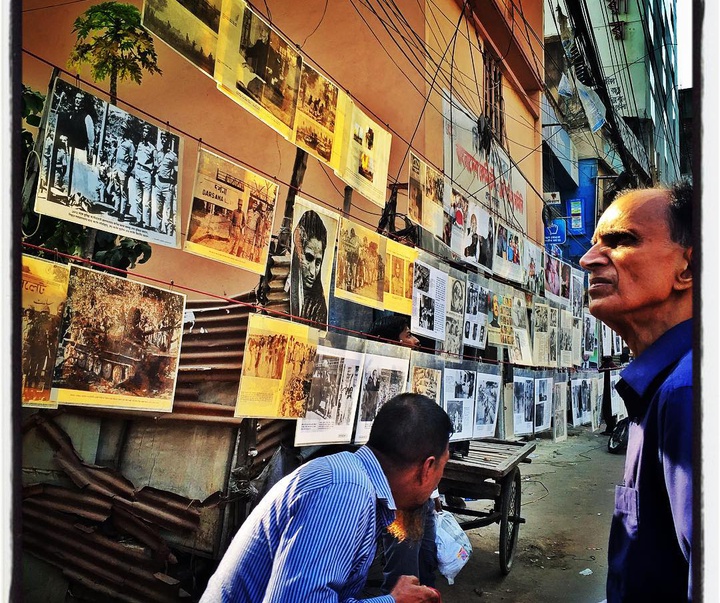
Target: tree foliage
x=111 y=39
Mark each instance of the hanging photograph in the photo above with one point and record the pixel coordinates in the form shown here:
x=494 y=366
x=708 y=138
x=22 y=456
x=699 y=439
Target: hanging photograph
x=508 y=253
x=416 y=177
x=399 y=268
x=543 y=403
x=596 y=396
x=119 y=343
x=277 y=368
x=332 y=400
x=365 y=155
x=476 y=315
x=428 y=306
x=258 y=68
x=581 y=393
x=565 y=339
x=44 y=293
x=523 y=405
x=454 y=316
x=426 y=381
x=384 y=375
x=487 y=402
x=553 y=284
x=189 y=28
x=577 y=292
x=479 y=237
x=433 y=196
x=541 y=328
x=361 y=264
x=319 y=117
x=616 y=402
x=499 y=320
x=589 y=333
x=533 y=264
x=314 y=232
x=554 y=337
x=232 y=214
x=459 y=400
x=458 y=207
x=559 y=403
x=107 y=169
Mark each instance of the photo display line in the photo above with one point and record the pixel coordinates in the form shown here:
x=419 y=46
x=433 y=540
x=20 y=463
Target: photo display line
x=254 y=306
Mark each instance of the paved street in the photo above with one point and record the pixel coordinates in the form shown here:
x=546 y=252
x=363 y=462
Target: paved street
x=567 y=500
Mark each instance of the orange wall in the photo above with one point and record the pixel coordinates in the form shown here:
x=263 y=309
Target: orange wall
x=374 y=71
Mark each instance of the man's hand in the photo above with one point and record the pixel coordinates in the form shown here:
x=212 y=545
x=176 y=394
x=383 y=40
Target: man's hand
x=408 y=590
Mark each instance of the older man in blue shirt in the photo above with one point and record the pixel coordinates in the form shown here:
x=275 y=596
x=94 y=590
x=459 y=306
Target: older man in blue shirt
x=313 y=537
x=641 y=285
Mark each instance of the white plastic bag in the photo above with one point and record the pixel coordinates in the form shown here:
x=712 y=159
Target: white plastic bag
x=453 y=545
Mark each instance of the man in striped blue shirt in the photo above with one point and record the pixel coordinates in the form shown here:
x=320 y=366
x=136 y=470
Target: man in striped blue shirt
x=313 y=537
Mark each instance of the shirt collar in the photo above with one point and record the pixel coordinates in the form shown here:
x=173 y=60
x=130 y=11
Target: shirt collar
x=661 y=355
x=377 y=477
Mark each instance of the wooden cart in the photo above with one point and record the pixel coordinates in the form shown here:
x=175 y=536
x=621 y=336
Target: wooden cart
x=490 y=471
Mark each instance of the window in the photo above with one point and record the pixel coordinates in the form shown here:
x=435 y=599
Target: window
x=494 y=106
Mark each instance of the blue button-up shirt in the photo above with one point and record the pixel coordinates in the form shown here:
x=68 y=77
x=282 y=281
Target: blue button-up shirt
x=312 y=538
x=649 y=555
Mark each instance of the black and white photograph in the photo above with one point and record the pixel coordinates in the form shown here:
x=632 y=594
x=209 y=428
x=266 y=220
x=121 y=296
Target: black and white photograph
x=581 y=392
x=460 y=412
x=429 y=302
x=560 y=411
x=577 y=292
x=189 y=27
x=476 y=315
x=487 y=402
x=543 y=403
x=383 y=376
x=540 y=338
x=105 y=168
x=454 y=316
x=232 y=214
x=332 y=401
x=312 y=251
x=523 y=405
x=119 y=343
x=589 y=338
x=565 y=339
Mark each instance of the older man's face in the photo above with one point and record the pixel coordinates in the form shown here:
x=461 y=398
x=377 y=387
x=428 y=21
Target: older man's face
x=633 y=263
x=311 y=261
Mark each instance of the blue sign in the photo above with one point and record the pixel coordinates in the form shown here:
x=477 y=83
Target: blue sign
x=555 y=232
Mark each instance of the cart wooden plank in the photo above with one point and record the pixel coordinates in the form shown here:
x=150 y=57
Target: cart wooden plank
x=488 y=459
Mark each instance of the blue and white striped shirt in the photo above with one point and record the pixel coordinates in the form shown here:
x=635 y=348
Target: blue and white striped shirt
x=312 y=538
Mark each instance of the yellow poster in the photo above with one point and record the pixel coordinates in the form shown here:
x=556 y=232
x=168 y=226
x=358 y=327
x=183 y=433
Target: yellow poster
x=365 y=156
x=257 y=68
x=232 y=214
x=399 y=277
x=361 y=264
x=44 y=292
x=320 y=117
x=277 y=369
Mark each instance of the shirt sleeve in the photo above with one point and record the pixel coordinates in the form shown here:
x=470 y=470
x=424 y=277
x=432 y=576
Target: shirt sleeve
x=676 y=450
x=318 y=560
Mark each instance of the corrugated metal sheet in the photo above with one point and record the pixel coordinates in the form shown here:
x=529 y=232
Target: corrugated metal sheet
x=110 y=536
